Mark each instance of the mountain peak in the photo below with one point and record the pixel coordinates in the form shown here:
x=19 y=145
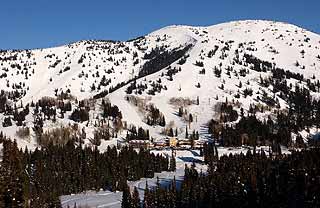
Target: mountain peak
x=173 y=66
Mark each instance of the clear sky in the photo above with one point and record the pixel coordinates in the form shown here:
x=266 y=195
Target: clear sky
x=46 y=23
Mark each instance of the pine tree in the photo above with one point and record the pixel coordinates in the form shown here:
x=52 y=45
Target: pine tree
x=163 y=121
x=126 y=198
x=192 y=143
x=13 y=193
x=147 y=199
x=2 y=187
x=158 y=197
x=135 y=198
x=187 y=132
x=180 y=113
x=170 y=134
x=240 y=84
x=7 y=122
x=172 y=165
x=190 y=118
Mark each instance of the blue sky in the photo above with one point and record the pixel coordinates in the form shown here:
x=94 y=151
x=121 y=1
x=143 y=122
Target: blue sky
x=46 y=23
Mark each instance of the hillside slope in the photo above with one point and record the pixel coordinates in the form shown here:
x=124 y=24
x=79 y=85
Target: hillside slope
x=194 y=68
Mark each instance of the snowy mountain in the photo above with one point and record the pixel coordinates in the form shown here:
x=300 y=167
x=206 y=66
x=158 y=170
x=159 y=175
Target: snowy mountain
x=183 y=72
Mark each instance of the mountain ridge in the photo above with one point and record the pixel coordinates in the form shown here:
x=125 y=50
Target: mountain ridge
x=168 y=26
x=159 y=68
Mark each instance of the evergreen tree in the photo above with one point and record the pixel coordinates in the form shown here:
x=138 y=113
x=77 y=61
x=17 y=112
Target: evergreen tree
x=135 y=198
x=170 y=134
x=147 y=199
x=187 y=135
x=2 y=187
x=172 y=163
x=126 y=198
x=190 y=118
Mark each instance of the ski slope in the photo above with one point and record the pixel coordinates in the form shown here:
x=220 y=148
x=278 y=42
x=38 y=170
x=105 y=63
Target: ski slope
x=78 y=66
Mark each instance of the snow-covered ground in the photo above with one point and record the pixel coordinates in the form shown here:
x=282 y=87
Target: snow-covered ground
x=111 y=199
x=79 y=66
x=92 y=199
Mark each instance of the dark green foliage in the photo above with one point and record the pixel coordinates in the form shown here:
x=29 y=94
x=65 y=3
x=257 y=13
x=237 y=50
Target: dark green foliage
x=135 y=201
x=217 y=72
x=245 y=181
x=67 y=68
x=247 y=92
x=180 y=112
x=213 y=52
x=210 y=153
x=253 y=130
x=80 y=115
x=172 y=164
x=258 y=65
x=7 y=122
x=190 y=118
x=199 y=63
x=126 y=198
x=111 y=111
x=172 y=71
x=170 y=133
x=155 y=117
x=183 y=60
x=160 y=58
x=104 y=81
x=136 y=88
x=3 y=101
x=38 y=178
x=187 y=134
x=227 y=113
x=141 y=134
x=20 y=116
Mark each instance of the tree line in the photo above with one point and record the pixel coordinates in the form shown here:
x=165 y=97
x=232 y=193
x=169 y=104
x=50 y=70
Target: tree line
x=244 y=180
x=37 y=178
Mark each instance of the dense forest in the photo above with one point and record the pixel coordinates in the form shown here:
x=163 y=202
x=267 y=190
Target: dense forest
x=244 y=180
x=38 y=178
